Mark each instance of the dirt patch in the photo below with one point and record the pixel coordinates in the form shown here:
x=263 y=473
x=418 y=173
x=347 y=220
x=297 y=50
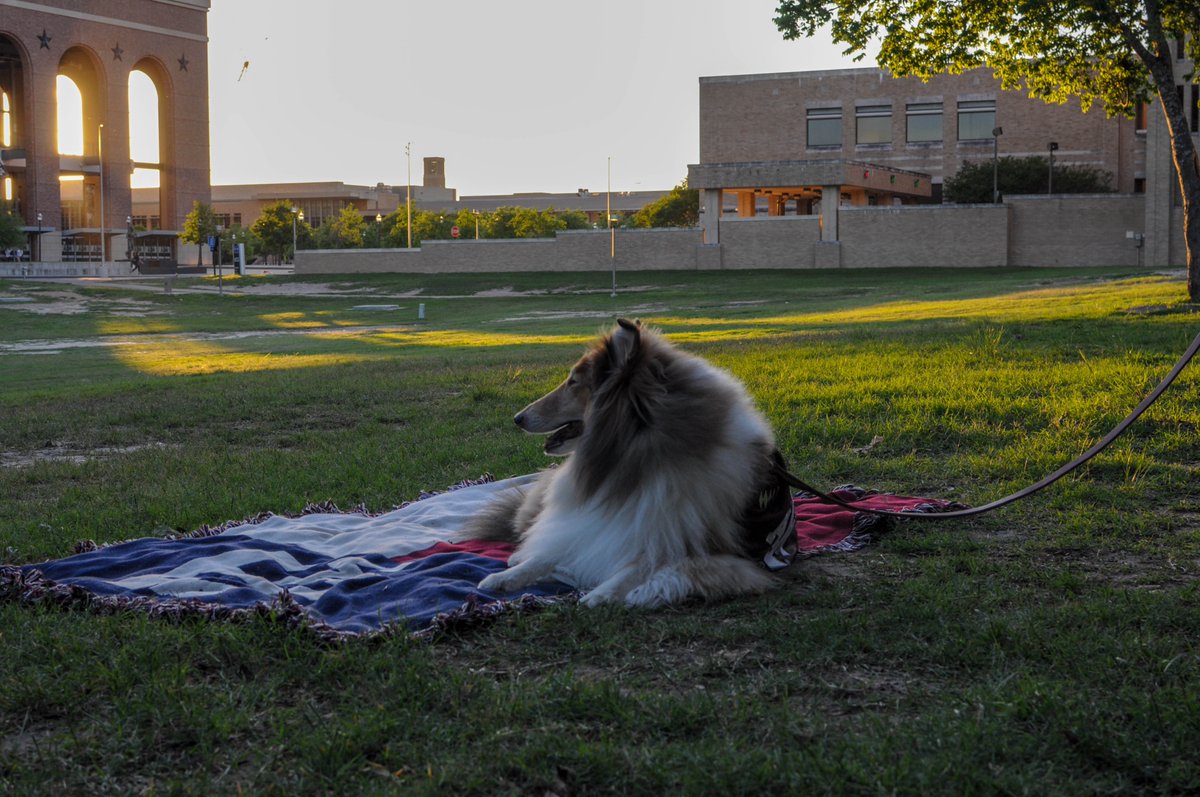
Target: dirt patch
x=65 y=452
x=59 y=302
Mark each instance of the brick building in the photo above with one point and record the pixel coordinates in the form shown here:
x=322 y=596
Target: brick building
x=75 y=206
x=782 y=143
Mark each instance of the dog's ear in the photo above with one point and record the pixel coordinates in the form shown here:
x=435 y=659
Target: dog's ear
x=625 y=341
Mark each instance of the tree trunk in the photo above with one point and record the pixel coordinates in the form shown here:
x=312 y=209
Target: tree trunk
x=1183 y=152
x=1187 y=166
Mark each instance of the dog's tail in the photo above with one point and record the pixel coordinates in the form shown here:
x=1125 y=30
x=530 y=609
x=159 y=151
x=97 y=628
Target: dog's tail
x=498 y=521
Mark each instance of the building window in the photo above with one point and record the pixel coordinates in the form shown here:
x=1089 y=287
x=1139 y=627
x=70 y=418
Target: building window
x=873 y=124
x=1139 y=185
x=1139 y=117
x=976 y=119
x=825 y=127
x=924 y=121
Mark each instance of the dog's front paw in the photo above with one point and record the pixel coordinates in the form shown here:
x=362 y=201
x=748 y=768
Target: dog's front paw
x=499 y=582
x=662 y=589
x=598 y=597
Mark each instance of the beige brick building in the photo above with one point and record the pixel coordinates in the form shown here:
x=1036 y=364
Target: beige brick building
x=781 y=144
x=75 y=206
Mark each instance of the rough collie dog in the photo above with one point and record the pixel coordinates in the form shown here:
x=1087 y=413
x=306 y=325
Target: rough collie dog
x=666 y=485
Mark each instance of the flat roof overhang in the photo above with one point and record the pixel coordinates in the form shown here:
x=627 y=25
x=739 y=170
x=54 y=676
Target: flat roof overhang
x=799 y=174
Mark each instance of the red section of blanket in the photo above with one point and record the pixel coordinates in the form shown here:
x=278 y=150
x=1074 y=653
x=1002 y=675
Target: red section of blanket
x=491 y=550
x=823 y=525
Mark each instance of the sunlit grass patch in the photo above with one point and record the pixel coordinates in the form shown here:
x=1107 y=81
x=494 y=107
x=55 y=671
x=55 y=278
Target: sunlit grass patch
x=458 y=338
x=181 y=357
x=134 y=326
x=1040 y=304
x=295 y=320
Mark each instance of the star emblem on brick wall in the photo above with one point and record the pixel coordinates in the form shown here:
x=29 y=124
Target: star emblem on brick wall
x=117 y=52
x=44 y=39
x=183 y=62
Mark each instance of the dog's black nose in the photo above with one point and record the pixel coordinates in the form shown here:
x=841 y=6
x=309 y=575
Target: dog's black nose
x=519 y=419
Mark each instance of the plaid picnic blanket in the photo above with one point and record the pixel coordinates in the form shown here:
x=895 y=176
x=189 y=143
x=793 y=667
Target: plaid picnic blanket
x=352 y=573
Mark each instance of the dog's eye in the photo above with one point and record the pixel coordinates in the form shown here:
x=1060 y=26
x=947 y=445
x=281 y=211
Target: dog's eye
x=572 y=381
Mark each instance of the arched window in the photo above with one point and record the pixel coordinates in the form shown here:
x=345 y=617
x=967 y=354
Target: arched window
x=74 y=199
x=143 y=130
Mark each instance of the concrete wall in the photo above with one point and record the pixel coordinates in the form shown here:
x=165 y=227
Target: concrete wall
x=575 y=250
x=924 y=235
x=1074 y=229
x=769 y=241
x=1059 y=230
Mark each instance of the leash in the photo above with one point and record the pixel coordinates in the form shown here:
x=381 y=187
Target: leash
x=794 y=481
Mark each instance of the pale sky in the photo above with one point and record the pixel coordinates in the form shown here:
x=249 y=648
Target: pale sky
x=524 y=95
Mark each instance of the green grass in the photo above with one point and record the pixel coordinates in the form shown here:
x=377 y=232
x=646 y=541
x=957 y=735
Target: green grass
x=1050 y=648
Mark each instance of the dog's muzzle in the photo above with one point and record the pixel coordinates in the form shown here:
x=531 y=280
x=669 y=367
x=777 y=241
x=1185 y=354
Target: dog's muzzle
x=561 y=439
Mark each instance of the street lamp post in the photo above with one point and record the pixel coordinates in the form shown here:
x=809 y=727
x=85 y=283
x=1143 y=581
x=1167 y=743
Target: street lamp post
x=379 y=230
x=408 y=190
x=295 y=210
x=996 y=133
x=475 y=213
x=612 y=231
x=1050 y=182
x=100 y=161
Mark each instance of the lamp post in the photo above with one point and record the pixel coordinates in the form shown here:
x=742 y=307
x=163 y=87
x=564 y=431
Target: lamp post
x=130 y=254
x=996 y=133
x=612 y=231
x=408 y=190
x=1050 y=181
x=100 y=161
x=475 y=213
x=295 y=210
x=39 y=235
x=379 y=230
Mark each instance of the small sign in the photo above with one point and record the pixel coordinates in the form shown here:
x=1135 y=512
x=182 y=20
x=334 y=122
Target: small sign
x=212 y=243
x=454 y=232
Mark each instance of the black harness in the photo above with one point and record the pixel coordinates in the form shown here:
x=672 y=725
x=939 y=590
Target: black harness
x=769 y=521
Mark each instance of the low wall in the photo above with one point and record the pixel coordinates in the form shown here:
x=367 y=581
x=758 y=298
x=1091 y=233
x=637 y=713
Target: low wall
x=573 y=250
x=769 y=241
x=1059 y=230
x=924 y=235
x=83 y=269
x=1075 y=229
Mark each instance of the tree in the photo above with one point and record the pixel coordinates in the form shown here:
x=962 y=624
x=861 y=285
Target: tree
x=273 y=228
x=346 y=230
x=11 y=234
x=679 y=207
x=1028 y=175
x=198 y=225
x=1112 y=51
x=574 y=220
x=237 y=234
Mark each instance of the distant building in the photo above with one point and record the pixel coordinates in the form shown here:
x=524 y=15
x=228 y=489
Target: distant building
x=242 y=204
x=785 y=143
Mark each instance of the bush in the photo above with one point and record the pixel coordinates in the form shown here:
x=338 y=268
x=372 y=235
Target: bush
x=1028 y=175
